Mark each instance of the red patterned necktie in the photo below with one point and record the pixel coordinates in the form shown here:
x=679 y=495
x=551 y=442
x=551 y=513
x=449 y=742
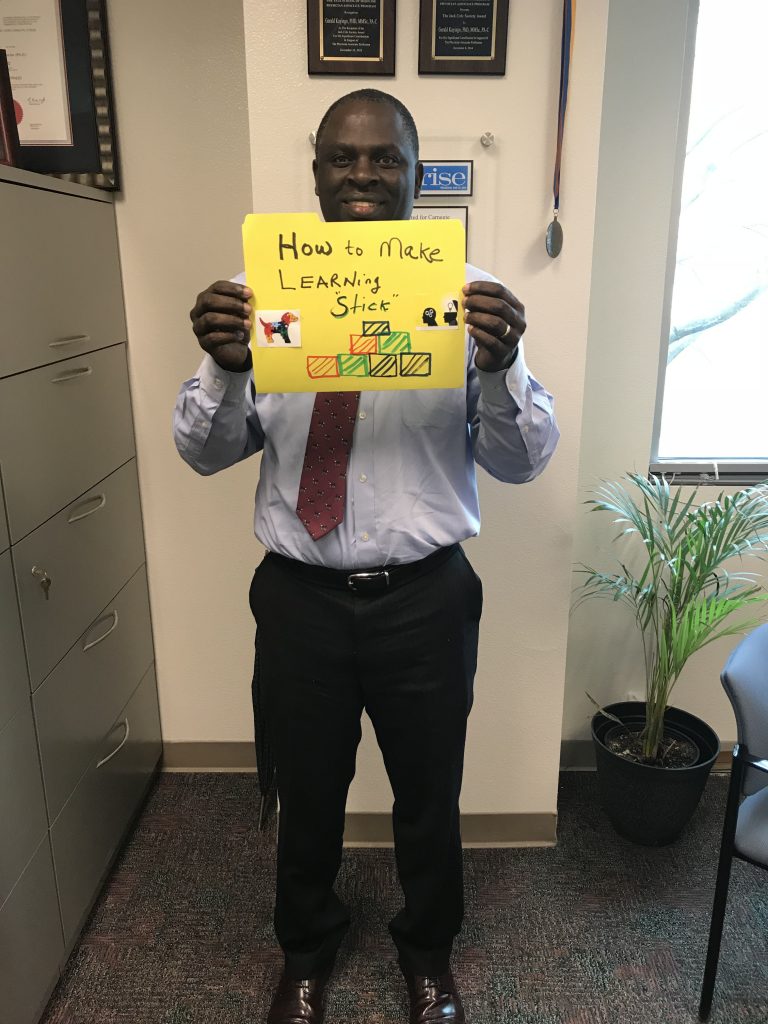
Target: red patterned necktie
x=323 y=484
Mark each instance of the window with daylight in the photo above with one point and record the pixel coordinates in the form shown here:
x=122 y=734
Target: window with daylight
x=712 y=415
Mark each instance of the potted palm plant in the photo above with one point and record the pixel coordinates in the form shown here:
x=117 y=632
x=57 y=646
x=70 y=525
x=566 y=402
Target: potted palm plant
x=652 y=759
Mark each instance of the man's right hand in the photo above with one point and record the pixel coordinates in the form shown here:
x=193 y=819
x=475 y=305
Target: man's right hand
x=221 y=320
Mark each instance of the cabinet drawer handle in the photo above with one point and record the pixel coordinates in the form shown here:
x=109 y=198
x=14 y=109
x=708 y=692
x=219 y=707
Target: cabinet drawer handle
x=101 y=501
x=112 y=628
x=69 y=341
x=120 y=745
x=81 y=371
x=43 y=579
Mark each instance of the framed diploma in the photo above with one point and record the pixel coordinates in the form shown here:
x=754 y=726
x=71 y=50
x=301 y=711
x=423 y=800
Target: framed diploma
x=463 y=37
x=58 y=56
x=9 y=134
x=351 y=37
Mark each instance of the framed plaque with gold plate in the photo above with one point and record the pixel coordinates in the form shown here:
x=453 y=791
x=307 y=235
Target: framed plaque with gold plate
x=351 y=37
x=463 y=37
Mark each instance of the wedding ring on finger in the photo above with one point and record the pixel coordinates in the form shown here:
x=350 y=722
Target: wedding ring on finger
x=503 y=336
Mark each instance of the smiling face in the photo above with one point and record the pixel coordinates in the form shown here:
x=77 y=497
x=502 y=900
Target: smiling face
x=365 y=166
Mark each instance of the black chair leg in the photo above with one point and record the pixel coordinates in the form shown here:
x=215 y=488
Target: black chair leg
x=721 y=888
x=715 y=935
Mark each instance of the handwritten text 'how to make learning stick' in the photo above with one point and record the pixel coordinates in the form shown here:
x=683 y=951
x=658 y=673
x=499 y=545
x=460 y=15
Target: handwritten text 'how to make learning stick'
x=393 y=248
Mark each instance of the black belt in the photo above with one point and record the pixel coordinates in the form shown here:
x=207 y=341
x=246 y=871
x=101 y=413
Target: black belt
x=365 y=581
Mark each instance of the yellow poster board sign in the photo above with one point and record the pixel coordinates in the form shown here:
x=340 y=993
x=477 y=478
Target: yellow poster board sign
x=362 y=306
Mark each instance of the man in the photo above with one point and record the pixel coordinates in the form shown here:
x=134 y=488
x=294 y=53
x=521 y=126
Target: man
x=365 y=599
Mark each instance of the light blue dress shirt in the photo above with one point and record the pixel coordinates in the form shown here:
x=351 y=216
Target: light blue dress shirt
x=411 y=484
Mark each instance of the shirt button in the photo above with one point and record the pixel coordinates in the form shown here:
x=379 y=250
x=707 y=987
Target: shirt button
x=364 y=536
x=363 y=415
x=218 y=382
x=363 y=478
x=525 y=430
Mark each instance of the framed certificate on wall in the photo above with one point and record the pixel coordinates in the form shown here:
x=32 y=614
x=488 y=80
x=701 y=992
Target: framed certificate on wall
x=351 y=37
x=58 y=58
x=9 y=135
x=463 y=37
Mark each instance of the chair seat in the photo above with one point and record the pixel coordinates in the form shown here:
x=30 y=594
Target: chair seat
x=751 y=838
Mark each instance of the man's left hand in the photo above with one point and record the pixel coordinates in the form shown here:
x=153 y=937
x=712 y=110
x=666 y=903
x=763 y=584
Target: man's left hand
x=496 y=321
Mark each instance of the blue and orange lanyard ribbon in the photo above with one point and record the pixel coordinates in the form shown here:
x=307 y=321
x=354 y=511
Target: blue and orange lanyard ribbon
x=566 y=54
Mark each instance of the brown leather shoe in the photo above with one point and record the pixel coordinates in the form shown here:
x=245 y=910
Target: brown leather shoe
x=434 y=999
x=298 y=1002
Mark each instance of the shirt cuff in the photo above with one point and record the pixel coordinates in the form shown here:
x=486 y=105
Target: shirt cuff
x=222 y=385
x=498 y=387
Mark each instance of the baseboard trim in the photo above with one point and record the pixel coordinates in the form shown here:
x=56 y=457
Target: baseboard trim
x=477 y=830
x=362 y=829
x=209 y=757
x=575 y=755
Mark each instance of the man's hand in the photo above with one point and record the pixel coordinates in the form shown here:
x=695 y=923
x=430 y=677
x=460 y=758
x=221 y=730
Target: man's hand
x=496 y=320
x=221 y=320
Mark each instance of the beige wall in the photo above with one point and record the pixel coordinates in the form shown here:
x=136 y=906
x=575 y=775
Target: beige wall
x=197 y=154
x=183 y=129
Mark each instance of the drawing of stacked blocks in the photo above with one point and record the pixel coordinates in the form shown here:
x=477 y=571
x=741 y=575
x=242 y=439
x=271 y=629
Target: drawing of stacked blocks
x=377 y=352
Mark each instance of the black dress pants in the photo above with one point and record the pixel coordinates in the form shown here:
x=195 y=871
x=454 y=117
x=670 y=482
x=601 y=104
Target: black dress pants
x=407 y=656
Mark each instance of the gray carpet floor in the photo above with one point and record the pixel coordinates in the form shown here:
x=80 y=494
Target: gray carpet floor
x=594 y=931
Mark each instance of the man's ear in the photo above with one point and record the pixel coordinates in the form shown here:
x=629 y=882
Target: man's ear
x=314 y=174
x=419 y=179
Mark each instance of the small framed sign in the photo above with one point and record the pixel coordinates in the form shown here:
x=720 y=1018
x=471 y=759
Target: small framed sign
x=447 y=177
x=445 y=213
x=463 y=37
x=351 y=37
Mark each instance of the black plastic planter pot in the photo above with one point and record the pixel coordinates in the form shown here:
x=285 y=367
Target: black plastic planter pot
x=645 y=804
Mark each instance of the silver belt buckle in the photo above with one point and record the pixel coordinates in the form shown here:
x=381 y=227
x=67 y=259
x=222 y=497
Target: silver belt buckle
x=364 y=577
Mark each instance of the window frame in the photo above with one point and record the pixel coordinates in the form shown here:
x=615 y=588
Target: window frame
x=695 y=470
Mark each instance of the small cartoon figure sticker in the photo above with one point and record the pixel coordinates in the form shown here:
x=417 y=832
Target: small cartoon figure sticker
x=278 y=328
x=450 y=316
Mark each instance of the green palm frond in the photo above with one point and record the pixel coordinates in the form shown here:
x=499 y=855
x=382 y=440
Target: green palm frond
x=681 y=595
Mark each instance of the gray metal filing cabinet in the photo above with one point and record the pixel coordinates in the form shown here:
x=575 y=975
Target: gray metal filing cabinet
x=79 y=723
